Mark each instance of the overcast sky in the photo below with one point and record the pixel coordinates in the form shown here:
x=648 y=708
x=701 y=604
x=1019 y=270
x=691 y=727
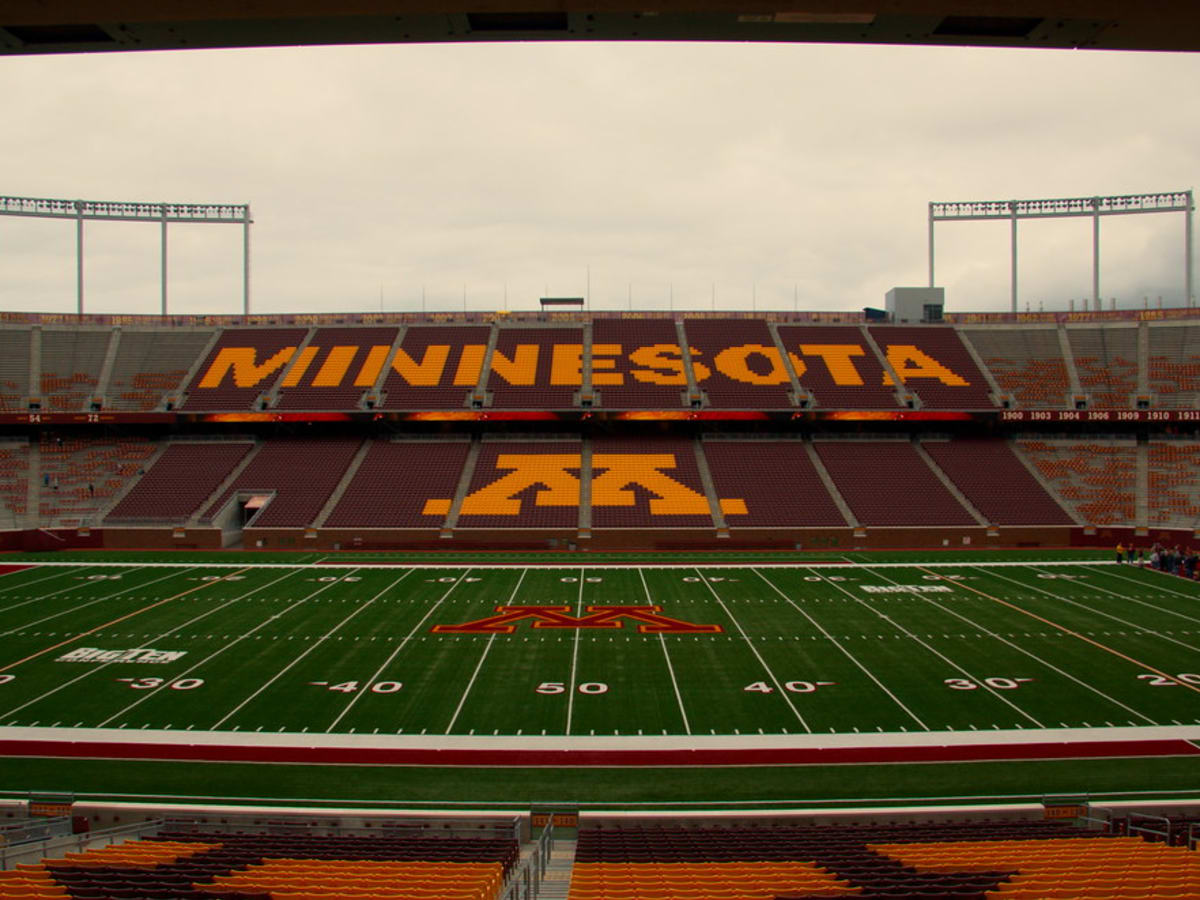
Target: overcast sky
x=690 y=175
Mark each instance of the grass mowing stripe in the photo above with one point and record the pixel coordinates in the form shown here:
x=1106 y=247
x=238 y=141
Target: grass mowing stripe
x=909 y=634
x=1043 y=662
x=387 y=662
x=75 y=608
x=311 y=647
x=1075 y=634
x=1162 y=590
x=662 y=640
x=488 y=646
x=985 y=629
x=599 y=787
x=241 y=637
x=136 y=612
x=1095 y=611
x=103 y=666
x=1162 y=609
x=983 y=682
x=574 y=654
x=838 y=644
x=948 y=559
x=42 y=597
x=754 y=650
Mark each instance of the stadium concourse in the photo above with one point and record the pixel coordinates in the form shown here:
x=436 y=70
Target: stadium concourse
x=830 y=723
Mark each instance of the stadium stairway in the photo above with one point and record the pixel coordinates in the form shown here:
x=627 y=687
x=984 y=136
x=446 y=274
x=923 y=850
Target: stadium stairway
x=827 y=480
x=33 y=489
x=347 y=477
x=949 y=485
x=557 y=883
x=198 y=515
x=1142 y=486
x=1068 y=356
x=130 y=482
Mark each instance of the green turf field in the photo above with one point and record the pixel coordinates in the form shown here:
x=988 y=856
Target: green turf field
x=796 y=649
x=373 y=645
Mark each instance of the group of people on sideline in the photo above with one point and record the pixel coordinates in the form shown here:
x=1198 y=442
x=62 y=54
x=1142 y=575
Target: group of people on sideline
x=1173 y=560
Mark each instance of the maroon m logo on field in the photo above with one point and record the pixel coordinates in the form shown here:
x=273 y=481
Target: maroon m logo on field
x=652 y=622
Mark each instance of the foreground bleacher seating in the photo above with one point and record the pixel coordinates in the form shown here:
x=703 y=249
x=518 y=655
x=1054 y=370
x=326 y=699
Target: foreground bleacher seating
x=222 y=866
x=1001 y=859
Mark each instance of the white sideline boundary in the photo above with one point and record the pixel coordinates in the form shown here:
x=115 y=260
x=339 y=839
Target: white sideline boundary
x=316 y=740
x=744 y=564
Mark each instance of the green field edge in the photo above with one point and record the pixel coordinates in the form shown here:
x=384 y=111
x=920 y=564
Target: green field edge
x=634 y=789
x=555 y=557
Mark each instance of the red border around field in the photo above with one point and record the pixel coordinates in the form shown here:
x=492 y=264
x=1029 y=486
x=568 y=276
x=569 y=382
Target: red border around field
x=751 y=756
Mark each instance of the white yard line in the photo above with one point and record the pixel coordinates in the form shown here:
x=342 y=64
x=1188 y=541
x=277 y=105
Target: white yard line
x=312 y=646
x=233 y=643
x=103 y=666
x=488 y=646
x=1100 y=612
x=749 y=643
x=662 y=640
x=574 y=654
x=850 y=656
x=943 y=657
x=403 y=643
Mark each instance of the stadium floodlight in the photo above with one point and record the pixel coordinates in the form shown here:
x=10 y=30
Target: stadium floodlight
x=80 y=211
x=1073 y=207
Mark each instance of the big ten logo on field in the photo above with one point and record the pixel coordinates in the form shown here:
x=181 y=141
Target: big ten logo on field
x=649 y=618
x=460 y=365
x=614 y=477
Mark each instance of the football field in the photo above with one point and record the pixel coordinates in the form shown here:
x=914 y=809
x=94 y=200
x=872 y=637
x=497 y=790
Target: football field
x=923 y=650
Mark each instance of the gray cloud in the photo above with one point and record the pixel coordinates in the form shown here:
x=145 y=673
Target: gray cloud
x=767 y=174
